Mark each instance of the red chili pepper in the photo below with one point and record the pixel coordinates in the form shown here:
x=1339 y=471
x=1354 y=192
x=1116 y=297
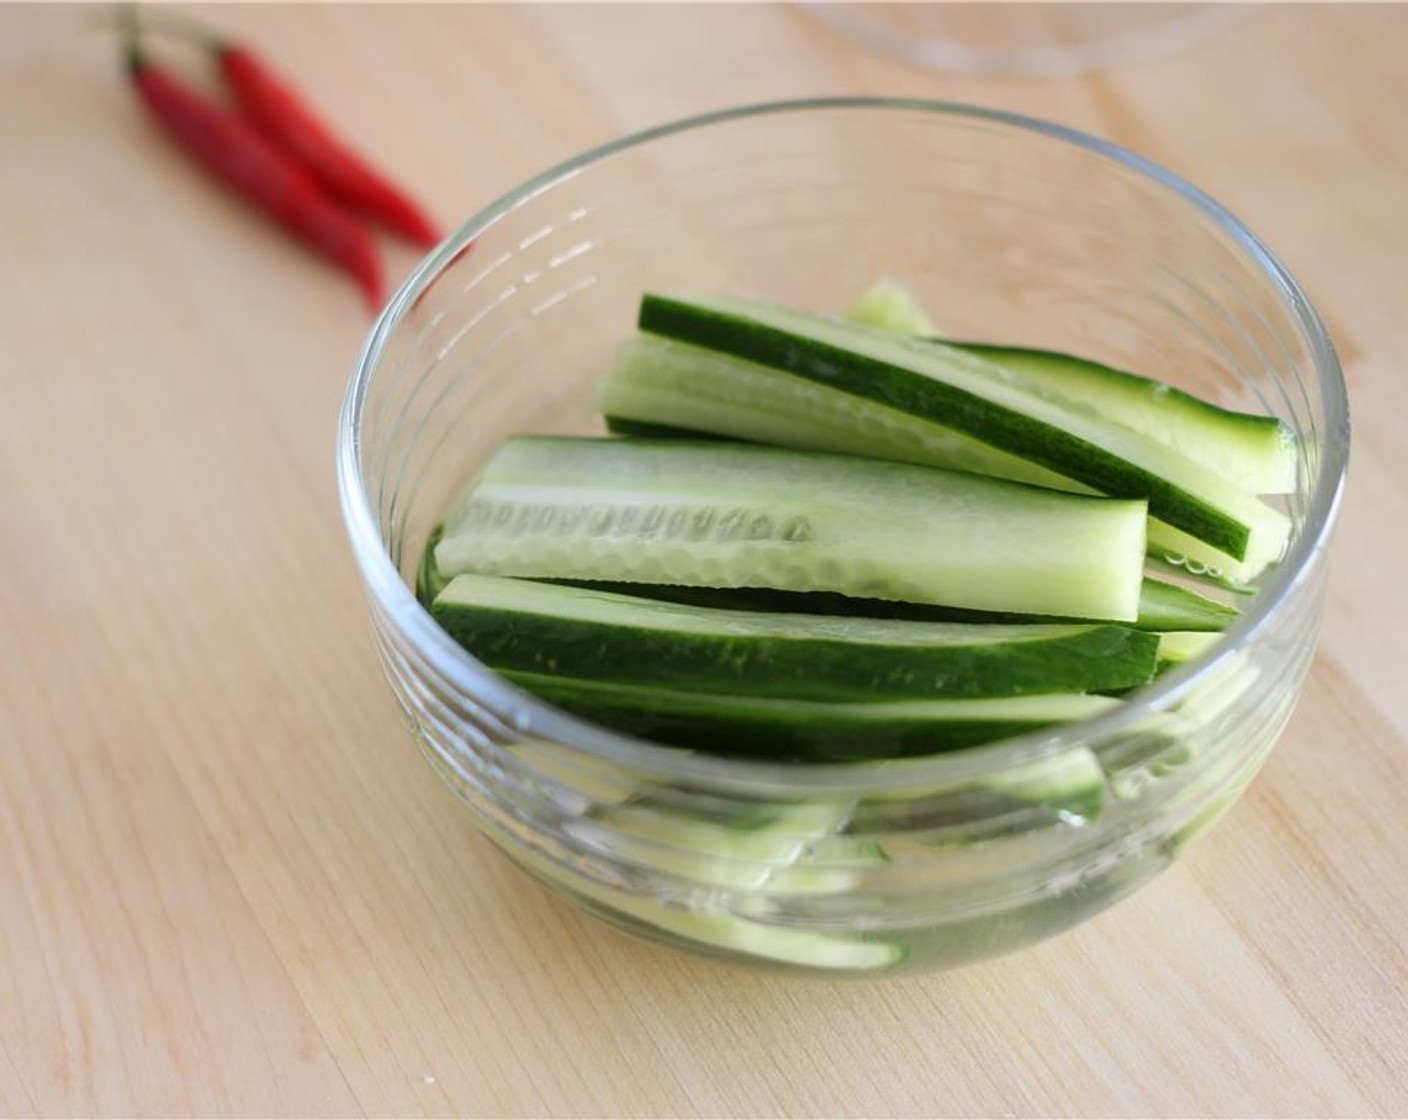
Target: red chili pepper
x=281 y=114
x=231 y=150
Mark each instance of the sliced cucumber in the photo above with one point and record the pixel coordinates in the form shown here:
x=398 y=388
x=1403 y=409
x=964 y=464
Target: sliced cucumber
x=1178 y=646
x=661 y=388
x=715 y=853
x=658 y=384
x=830 y=865
x=1159 y=562
x=1034 y=795
x=1166 y=606
x=1255 y=453
x=589 y=781
x=736 y=515
x=949 y=388
x=711 y=925
x=807 y=730
x=889 y=305
x=577 y=632
x=1071 y=783
x=641 y=429
x=429 y=581
x=1162 y=606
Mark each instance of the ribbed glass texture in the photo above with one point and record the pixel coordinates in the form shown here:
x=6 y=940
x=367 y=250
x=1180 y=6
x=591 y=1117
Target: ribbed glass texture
x=1009 y=230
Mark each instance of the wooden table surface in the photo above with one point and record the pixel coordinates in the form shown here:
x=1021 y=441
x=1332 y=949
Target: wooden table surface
x=227 y=884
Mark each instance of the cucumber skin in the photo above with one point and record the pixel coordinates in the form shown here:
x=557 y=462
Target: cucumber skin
x=921 y=396
x=774 y=730
x=1162 y=606
x=1115 y=393
x=1124 y=397
x=1103 y=657
x=644 y=429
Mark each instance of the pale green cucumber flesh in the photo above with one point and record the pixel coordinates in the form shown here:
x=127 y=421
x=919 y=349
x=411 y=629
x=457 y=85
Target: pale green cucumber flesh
x=889 y=305
x=712 y=925
x=949 y=387
x=658 y=384
x=1166 y=606
x=802 y=730
x=1179 y=646
x=1162 y=606
x=660 y=387
x=1034 y=795
x=579 y=632
x=592 y=782
x=429 y=581
x=1188 y=554
x=738 y=515
x=1158 y=561
x=713 y=852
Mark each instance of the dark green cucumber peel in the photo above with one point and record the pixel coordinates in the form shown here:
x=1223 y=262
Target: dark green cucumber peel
x=806 y=731
x=1147 y=387
x=550 y=629
x=1162 y=606
x=644 y=429
x=1136 y=386
x=939 y=402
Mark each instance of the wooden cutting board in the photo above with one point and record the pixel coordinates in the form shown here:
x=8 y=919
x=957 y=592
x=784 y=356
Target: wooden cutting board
x=227 y=884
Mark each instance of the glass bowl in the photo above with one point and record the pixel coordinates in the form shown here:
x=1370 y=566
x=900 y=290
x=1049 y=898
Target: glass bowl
x=1026 y=40
x=1008 y=229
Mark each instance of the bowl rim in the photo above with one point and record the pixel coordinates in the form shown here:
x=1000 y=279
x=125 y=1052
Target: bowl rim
x=528 y=715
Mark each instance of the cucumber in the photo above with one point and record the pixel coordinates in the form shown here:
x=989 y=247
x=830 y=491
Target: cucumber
x=1256 y=453
x=711 y=925
x=889 y=305
x=642 y=429
x=429 y=581
x=947 y=388
x=1166 y=606
x=1034 y=795
x=737 y=515
x=657 y=384
x=1070 y=783
x=1162 y=606
x=589 y=782
x=714 y=852
x=830 y=865
x=1178 y=646
x=684 y=385
x=1157 y=562
x=806 y=730
x=661 y=388
x=597 y=635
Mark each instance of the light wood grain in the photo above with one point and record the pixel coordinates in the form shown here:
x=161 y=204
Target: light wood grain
x=227 y=884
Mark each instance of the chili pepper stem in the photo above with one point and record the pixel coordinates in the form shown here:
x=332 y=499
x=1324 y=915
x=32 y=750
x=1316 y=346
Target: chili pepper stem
x=161 y=22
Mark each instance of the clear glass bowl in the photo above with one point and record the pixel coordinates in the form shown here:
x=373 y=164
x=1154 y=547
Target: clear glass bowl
x=1038 y=40
x=1007 y=228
